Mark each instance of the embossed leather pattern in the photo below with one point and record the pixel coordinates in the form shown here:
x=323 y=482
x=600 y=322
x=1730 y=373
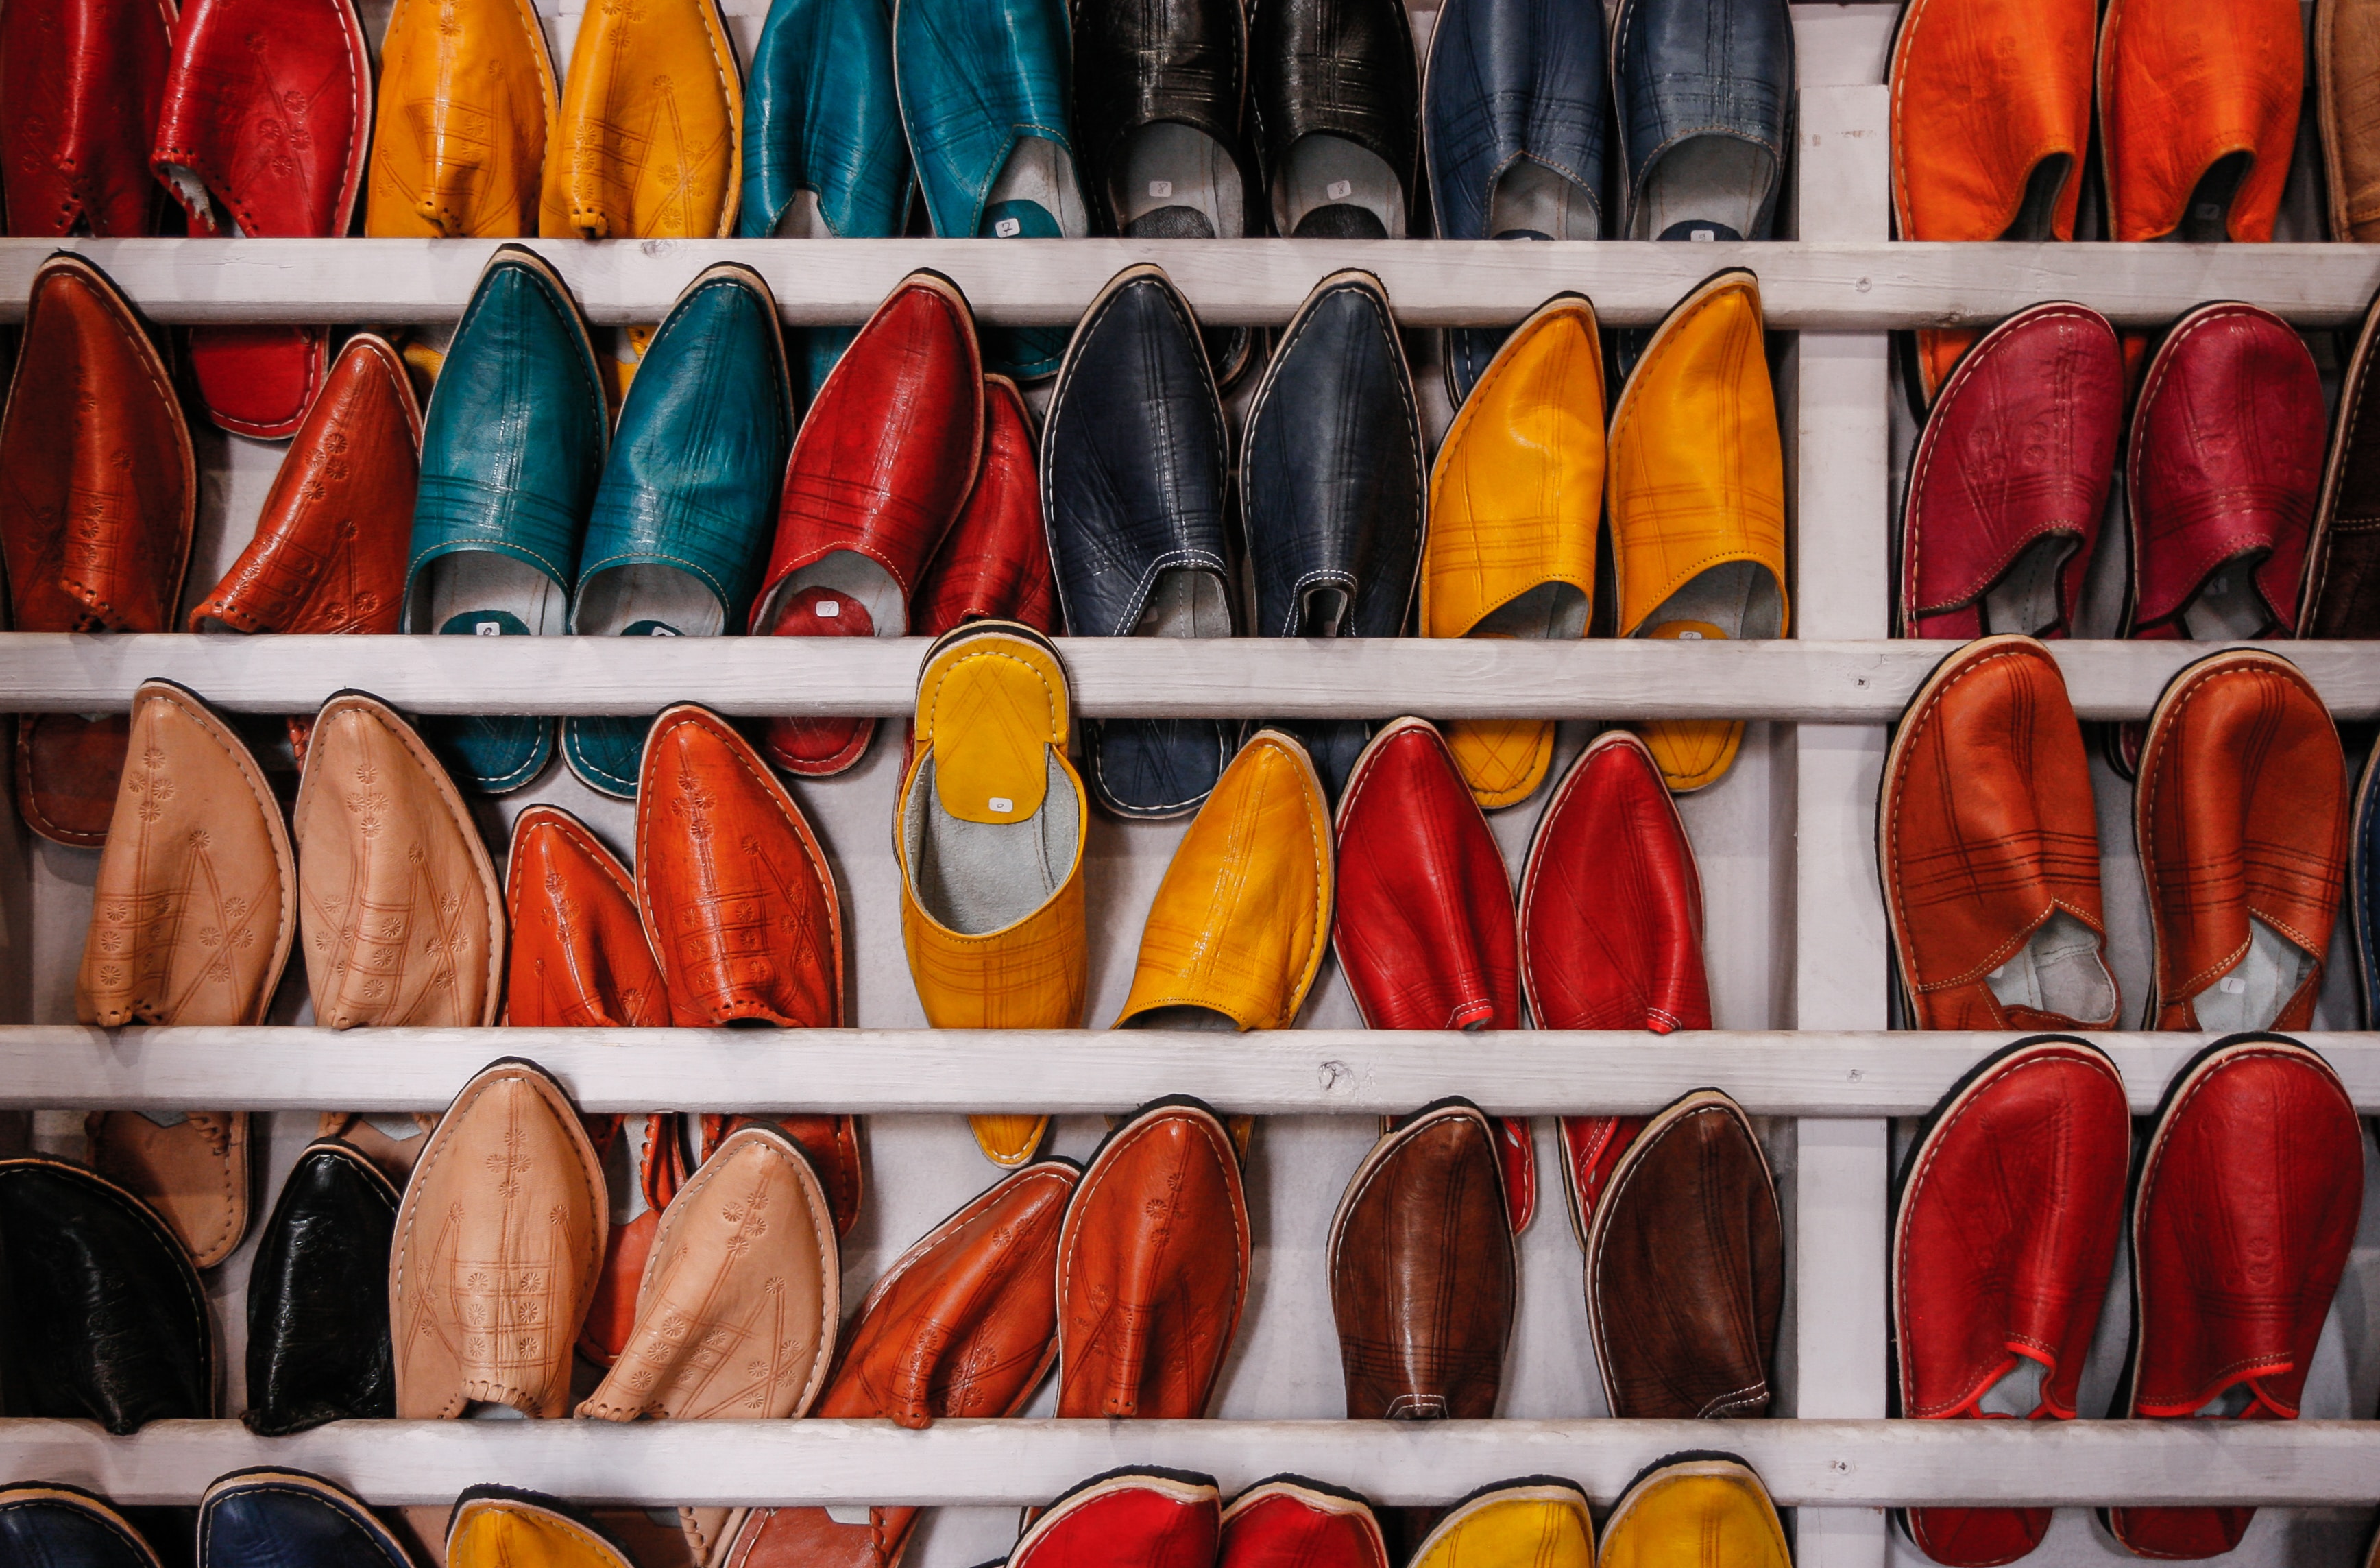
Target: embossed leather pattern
x=398 y=905
x=1152 y=1269
x=1342 y=68
x=1423 y=1281
x=318 y=1347
x=1706 y=1507
x=994 y=564
x=1288 y=1522
x=498 y=1241
x=647 y=143
x=267 y=1515
x=1134 y=465
x=262 y=133
x=738 y=902
x=1986 y=833
x=1689 y=70
x=2184 y=87
x=1139 y=63
x=2242 y=1215
x=95 y=515
x=81 y=83
x=63 y=1527
x=2342 y=597
x=2241 y=815
x=648 y=1172
x=506 y=1527
x=1516 y=504
x=579 y=958
x=107 y=1320
x=1539 y=1521
x=880 y=468
x=465 y=97
x=1686 y=1268
x=2014 y=463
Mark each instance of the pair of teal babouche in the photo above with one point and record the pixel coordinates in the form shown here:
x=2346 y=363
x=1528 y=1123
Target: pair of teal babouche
x=847 y=96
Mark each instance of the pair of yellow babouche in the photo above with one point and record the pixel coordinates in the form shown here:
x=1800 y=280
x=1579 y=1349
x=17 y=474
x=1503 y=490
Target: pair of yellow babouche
x=472 y=142
x=1690 y=472
x=1707 y=1509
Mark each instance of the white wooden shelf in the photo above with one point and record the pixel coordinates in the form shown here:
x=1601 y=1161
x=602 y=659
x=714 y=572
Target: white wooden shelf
x=1815 y=682
x=1290 y=1071
x=1869 y=286
x=1846 y=1463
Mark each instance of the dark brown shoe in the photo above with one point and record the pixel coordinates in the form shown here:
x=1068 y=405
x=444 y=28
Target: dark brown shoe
x=1685 y=1267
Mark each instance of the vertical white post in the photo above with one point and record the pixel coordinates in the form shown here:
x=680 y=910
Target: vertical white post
x=1843 y=433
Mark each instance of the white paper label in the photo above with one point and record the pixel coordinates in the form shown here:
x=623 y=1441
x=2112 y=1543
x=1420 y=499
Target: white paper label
x=1002 y=804
x=488 y=628
x=664 y=631
x=1161 y=189
x=829 y=610
x=1690 y=637
x=1008 y=228
x=2231 y=985
x=1340 y=189
x=1710 y=234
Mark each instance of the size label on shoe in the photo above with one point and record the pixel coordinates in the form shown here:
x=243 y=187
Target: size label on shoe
x=1002 y=804
x=1008 y=228
x=1340 y=189
x=1160 y=187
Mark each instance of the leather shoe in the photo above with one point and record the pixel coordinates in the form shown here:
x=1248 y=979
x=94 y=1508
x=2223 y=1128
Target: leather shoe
x=964 y=1324
x=2347 y=65
x=107 y=1320
x=2005 y=1224
x=1610 y=929
x=507 y=1527
x=1290 y=1522
x=1333 y=88
x=1703 y=1507
x=247 y=154
x=62 y=1527
x=1134 y=464
x=879 y=472
x=2242 y=1215
x=2241 y=819
x=1703 y=91
x=579 y=958
x=512 y=450
x=1512 y=117
x=1516 y=501
x=672 y=544
x=1237 y=930
x=2010 y=479
x=1988 y=846
x=2363 y=894
x=2342 y=595
x=318 y=1345
x=647 y=143
x=465 y=97
x=389 y=859
x=1147 y=1517
x=81 y=82
x=292 y=1520
x=91 y=543
x=1423 y=1278
x=1330 y=486
x=2198 y=115
x=645 y=1160
x=488 y=1278
x=1697 y=496
x=1685 y=1267
x=739 y=901
x=994 y=564
x=1538 y=1520
x=1991 y=120
x=1152 y=1269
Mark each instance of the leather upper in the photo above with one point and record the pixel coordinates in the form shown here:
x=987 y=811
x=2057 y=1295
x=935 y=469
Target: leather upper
x=191 y=1171
x=578 y=958
x=1689 y=70
x=328 y=555
x=1696 y=482
x=318 y=1347
x=2184 y=86
x=1511 y=82
x=1685 y=1271
x=2242 y=1216
x=1134 y=465
x=979 y=78
x=648 y=143
x=2224 y=468
x=1424 y=928
x=1152 y=1268
x=1702 y=1508
x=2015 y=462
x=1342 y=68
x=2342 y=595
x=994 y=564
x=196 y=903
x=107 y=1322
x=267 y=1515
x=822 y=114
x=66 y=1527
x=465 y=97
x=1423 y=1278
x=739 y=901
x=1288 y=1522
x=1536 y=1520
x=1988 y=97
x=488 y=1278
x=2005 y=1224
x=1150 y=62
x=81 y=83
x=398 y=905
x=2241 y=818
x=2347 y=68
x=1986 y=832
x=1515 y=506
x=506 y=1527
x=1150 y=1518
x=1242 y=919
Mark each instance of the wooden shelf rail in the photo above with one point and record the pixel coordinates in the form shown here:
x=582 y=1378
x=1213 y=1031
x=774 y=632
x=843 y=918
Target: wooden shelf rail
x=1290 y=1071
x=1815 y=682
x=1825 y=286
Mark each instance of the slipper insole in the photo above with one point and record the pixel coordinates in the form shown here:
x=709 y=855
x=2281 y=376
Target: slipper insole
x=1167 y=166
x=976 y=877
x=2058 y=970
x=1707 y=179
x=1324 y=171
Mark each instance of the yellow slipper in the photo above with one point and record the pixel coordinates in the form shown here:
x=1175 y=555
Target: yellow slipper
x=465 y=99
